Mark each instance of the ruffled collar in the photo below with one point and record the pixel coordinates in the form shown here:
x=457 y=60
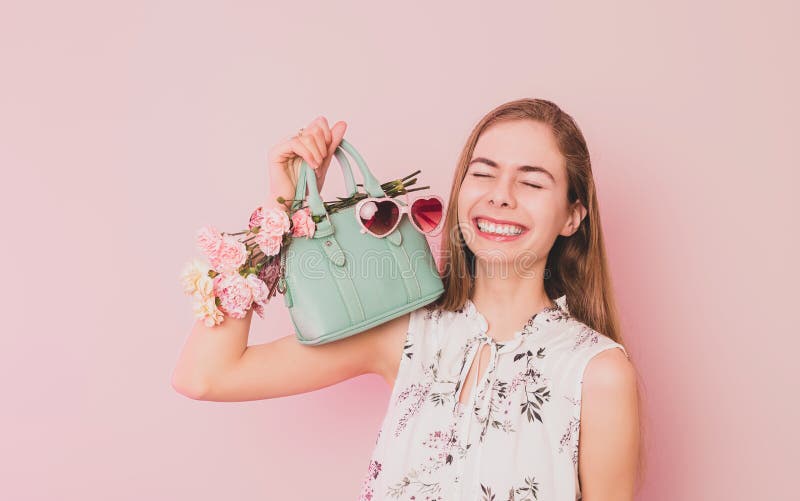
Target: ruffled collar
x=533 y=325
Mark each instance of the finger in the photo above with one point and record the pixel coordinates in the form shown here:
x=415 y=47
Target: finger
x=313 y=130
x=311 y=143
x=312 y=123
x=318 y=123
x=302 y=150
x=282 y=151
x=322 y=146
x=323 y=123
x=337 y=133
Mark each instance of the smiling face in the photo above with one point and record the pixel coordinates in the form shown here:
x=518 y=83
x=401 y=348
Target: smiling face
x=512 y=203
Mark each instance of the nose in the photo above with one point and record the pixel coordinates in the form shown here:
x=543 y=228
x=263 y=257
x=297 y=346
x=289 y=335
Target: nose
x=501 y=195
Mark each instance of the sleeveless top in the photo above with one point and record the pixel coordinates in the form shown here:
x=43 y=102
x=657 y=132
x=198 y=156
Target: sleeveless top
x=516 y=438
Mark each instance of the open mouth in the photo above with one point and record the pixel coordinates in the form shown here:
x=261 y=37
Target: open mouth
x=498 y=230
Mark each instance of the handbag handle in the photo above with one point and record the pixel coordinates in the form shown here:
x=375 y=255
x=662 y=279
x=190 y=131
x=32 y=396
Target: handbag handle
x=371 y=184
x=347 y=172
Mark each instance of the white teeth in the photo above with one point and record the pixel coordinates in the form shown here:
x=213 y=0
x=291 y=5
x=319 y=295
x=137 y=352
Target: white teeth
x=500 y=229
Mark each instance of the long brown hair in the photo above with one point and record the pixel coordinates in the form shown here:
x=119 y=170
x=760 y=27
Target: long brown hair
x=576 y=265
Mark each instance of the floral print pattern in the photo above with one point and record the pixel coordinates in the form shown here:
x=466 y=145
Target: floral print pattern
x=515 y=437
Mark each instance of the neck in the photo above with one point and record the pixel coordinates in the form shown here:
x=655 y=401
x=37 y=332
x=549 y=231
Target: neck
x=508 y=299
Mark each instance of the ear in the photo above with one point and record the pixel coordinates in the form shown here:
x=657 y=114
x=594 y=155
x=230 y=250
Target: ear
x=576 y=214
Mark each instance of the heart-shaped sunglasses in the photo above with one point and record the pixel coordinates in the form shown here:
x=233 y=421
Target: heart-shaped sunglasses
x=380 y=216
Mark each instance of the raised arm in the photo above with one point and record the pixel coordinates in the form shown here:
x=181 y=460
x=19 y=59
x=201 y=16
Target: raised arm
x=284 y=366
x=217 y=364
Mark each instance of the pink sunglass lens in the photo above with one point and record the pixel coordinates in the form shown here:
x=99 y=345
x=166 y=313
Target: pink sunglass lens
x=427 y=213
x=379 y=217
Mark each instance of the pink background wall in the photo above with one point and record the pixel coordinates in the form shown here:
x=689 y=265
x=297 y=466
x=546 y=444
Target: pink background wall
x=124 y=126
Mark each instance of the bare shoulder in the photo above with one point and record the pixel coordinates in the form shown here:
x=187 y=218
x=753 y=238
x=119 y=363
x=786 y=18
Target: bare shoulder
x=609 y=370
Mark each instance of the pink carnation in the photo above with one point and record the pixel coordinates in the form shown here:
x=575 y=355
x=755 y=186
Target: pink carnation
x=231 y=255
x=275 y=222
x=208 y=241
x=234 y=294
x=304 y=225
x=256 y=218
x=270 y=245
x=260 y=293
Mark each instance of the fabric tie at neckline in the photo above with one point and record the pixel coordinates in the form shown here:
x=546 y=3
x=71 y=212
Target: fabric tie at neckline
x=509 y=344
x=497 y=347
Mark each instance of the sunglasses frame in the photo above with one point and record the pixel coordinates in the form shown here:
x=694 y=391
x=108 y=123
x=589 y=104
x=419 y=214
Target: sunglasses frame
x=403 y=208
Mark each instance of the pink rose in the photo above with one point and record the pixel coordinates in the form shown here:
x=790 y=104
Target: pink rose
x=275 y=222
x=304 y=225
x=256 y=218
x=208 y=241
x=270 y=245
x=234 y=294
x=231 y=255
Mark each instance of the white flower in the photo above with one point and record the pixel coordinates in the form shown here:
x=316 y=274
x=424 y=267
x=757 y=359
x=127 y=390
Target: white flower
x=195 y=279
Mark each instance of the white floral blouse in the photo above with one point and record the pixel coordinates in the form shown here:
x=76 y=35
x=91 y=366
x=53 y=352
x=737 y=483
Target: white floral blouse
x=516 y=438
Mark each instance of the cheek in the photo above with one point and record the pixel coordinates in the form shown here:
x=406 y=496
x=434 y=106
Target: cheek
x=467 y=197
x=545 y=211
x=543 y=203
x=551 y=221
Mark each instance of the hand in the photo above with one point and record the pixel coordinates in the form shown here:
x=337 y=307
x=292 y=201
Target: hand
x=316 y=146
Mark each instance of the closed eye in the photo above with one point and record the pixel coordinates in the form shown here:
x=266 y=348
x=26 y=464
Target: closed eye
x=477 y=174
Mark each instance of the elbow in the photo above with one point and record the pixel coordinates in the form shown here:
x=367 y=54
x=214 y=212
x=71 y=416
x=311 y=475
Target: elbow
x=192 y=389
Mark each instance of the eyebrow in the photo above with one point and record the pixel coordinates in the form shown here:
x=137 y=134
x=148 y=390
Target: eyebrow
x=521 y=168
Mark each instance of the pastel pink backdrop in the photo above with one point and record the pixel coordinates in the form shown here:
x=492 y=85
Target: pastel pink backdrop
x=127 y=125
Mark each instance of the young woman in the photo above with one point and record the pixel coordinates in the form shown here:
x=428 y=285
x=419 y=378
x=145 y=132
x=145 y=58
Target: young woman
x=494 y=383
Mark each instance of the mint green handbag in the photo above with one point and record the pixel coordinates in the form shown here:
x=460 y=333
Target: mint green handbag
x=341 y=281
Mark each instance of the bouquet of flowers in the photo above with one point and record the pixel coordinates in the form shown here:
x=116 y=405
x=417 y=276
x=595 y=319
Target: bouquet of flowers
x=244 y=270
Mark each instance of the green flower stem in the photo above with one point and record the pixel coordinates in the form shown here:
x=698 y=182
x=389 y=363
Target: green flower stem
x=411 y=175
x=391 y=188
